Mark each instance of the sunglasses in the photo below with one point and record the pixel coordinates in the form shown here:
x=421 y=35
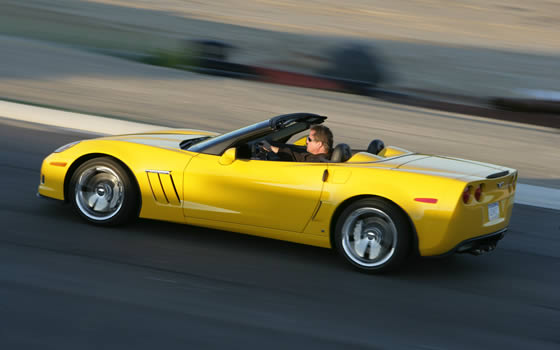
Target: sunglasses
x=310 y=140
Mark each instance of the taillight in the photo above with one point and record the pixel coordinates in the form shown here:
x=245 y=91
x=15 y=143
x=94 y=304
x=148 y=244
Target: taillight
x=478 y=193
x=467 y=194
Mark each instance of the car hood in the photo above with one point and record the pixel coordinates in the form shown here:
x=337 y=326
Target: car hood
x=164 y=139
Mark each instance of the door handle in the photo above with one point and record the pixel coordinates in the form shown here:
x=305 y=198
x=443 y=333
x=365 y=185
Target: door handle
x=325 y=175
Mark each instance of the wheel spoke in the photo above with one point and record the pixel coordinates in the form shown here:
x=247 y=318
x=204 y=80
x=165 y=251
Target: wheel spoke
x=374 y=249
x=358 y=231
x=113 y=202
x=117 y=195
x=101 y=205
x=92 y=200
x=361 y=246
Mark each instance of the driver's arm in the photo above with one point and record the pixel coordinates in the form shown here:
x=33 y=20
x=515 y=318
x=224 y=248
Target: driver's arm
x=268 y=147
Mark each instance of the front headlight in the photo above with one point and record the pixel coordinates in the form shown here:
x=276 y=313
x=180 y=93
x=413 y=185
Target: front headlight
x=65 y=147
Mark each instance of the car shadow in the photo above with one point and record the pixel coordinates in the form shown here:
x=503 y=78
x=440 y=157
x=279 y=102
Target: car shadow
x=183 y=244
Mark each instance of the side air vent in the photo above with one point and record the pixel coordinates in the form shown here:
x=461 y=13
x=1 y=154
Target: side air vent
x=497 y=175
x=163 y=187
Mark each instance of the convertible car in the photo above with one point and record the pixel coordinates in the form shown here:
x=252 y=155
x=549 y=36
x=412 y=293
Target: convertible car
x=375 y=206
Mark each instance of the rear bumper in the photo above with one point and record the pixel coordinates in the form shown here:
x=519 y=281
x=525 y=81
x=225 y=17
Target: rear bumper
x=478 y=245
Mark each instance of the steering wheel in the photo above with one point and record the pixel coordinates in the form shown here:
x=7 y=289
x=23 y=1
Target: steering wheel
x=258 y=152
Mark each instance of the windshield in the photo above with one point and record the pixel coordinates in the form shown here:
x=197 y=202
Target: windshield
x=185 y=144
x=283 y=126
x=216 y=145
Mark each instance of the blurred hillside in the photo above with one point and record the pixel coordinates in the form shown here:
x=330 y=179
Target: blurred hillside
x=477 y=48
x=511 y=24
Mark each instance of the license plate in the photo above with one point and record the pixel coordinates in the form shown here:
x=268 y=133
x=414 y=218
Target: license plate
x=493 y=211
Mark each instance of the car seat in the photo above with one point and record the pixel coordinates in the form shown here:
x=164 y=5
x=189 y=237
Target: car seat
x=375 y=146
x=341 y=153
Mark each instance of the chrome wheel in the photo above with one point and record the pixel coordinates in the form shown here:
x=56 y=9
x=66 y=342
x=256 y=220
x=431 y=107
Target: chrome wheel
x=369 y=237
x=99 y=193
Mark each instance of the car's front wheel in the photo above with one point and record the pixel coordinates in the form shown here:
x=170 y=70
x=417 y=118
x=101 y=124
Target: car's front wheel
x=373 y=235
x=102 y=192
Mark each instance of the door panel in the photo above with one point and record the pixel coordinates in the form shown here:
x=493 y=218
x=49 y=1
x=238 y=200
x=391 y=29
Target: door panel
x=279 y=195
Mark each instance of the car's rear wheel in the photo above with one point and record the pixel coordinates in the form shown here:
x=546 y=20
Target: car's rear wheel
x=102 y=192
x=373 y=235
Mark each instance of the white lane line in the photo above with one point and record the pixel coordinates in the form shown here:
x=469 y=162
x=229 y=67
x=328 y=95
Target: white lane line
x=525 y=194
x=537 y=196
x=71 y=120
x=160 y=280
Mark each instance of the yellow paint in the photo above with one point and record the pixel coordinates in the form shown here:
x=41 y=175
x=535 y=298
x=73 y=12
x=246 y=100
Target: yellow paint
x=289 y=200
x=362 y=157
x=392 y=151
x=302 y=141
x=228 y=157
x=54 y=178
x=277 y=195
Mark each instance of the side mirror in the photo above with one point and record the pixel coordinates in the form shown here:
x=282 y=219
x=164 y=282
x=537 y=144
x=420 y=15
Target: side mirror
x=228 y=157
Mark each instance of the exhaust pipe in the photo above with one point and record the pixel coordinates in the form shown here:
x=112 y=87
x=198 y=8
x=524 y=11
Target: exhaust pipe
x=475 y=251
x=480 y=249
x=480 y=246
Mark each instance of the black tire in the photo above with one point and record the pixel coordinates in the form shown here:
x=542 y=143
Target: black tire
x=102 y=192
x=373 y=235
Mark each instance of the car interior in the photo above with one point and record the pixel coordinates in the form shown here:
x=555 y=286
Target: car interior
x=288 y=130
x=291 y=137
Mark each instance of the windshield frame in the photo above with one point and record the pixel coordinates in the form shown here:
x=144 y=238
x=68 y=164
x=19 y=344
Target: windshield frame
x=219 y=144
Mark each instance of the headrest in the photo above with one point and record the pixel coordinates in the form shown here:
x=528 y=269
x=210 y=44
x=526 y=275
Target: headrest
x=341 y=153
x=375 y=146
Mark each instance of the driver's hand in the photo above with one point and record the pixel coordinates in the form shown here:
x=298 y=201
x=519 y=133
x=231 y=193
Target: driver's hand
x=265 y=145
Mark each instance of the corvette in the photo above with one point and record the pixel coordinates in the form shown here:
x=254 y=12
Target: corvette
x=376 y=206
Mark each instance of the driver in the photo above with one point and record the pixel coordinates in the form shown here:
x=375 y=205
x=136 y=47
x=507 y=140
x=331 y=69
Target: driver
x=319 y=146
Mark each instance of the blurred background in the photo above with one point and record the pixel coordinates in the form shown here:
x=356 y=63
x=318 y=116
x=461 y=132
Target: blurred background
x=474 y=79
x=142 y=61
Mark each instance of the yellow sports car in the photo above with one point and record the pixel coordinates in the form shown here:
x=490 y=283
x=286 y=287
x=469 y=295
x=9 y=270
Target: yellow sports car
x=376 y=206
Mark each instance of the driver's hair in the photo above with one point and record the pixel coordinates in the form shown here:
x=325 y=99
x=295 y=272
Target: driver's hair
x=324 y=135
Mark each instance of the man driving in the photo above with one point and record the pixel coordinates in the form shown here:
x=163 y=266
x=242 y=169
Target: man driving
x=319 y=147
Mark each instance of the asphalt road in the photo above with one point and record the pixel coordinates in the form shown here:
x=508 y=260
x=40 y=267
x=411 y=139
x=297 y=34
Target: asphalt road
x=65 y=284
